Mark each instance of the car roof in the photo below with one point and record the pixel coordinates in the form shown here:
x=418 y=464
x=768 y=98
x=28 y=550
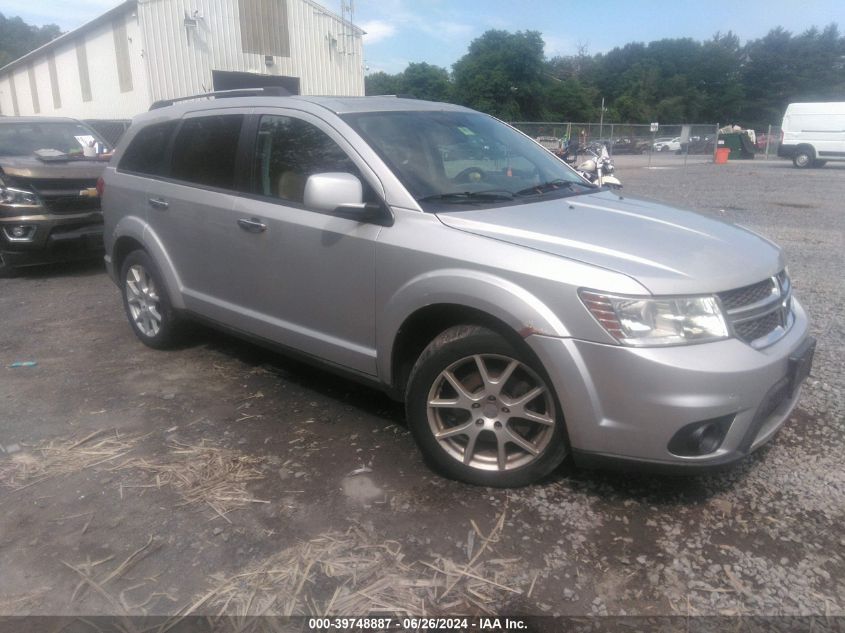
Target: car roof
x=337 y=105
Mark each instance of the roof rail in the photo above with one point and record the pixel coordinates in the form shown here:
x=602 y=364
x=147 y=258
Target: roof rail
x=269 y=91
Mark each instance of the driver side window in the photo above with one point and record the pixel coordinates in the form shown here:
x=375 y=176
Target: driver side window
x=288 y=151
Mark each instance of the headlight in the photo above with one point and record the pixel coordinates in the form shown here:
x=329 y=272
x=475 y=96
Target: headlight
x=18 y=197
x=652 y=321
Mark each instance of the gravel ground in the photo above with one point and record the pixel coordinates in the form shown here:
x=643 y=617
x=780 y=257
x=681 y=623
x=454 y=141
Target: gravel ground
x=304 y=459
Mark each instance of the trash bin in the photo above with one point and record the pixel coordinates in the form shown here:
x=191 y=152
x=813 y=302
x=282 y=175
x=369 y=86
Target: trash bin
x=739 y=144
x=722 y=155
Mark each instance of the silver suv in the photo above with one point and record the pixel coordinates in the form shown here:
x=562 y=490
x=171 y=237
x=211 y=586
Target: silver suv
x=522 y=314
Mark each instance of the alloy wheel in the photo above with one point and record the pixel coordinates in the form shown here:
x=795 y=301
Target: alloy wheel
x=491 y=412
x=143 y=300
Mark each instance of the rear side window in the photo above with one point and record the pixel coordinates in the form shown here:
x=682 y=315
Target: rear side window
x=206 y=149
x=147 y=151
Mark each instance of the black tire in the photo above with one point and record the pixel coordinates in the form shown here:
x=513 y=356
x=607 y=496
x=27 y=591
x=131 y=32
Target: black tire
x=169 y=331
x=803 y=158
x=6 y=271
x=819 y=163
x=490 y=426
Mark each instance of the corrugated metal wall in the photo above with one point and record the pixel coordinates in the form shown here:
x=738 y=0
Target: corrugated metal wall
x=168 y=48
x=186 y=39
x=81 y=76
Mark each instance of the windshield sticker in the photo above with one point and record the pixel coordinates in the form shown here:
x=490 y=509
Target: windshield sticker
x=466 y=131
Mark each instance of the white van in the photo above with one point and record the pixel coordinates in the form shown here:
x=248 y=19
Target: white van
x=813 y=133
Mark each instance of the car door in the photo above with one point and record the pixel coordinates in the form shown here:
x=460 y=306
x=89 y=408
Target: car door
x=301 y=277
x=191 y=205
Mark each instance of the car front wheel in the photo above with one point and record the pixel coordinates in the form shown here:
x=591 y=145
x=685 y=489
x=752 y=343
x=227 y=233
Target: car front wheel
x=483 y=412
x=146 y=302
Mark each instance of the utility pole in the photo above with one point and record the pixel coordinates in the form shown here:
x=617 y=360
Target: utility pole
x=601 y=120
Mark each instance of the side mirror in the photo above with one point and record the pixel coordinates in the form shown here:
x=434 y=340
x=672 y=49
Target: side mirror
x=342 y=194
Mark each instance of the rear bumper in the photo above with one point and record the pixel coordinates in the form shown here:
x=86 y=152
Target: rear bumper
x=623 y=403
x=56 y=238
x=786 y=151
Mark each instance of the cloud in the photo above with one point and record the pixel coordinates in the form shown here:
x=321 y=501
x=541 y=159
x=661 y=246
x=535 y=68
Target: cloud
x=377 y=30
x=558 y=46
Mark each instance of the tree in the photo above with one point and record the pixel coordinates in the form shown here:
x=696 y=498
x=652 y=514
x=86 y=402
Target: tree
x=502 y=73
x=381 y=83
x=17 y=38
x=425 y=81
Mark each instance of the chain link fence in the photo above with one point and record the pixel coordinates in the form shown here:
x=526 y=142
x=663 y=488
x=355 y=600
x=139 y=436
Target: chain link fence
x=636 y=138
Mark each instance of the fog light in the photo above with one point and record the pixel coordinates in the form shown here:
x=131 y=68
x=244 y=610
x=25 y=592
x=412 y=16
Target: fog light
x=700 y=438
x=19 y=232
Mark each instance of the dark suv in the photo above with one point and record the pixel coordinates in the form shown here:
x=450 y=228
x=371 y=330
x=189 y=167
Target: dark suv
x=49 y=205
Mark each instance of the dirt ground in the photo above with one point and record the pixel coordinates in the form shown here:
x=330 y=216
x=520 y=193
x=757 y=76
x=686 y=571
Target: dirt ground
x=222 y=478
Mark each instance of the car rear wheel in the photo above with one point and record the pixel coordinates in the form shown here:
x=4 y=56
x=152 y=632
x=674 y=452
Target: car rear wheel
x=146 y=302
x=803 y=158
x=483 y=411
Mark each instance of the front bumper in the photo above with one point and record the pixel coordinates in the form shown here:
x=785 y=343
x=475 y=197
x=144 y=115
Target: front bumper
x=57 y=238
x=627 y=403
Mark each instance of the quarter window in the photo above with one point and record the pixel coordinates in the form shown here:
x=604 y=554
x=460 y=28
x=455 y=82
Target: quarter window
x=146 y=153
x=288 y=151
x=205 y=150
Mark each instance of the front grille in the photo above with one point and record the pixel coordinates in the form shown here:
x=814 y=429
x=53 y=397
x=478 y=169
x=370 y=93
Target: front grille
x=760 y=313
x=748 y=294
x=61 y=195
x=68 y=204
x=49 y=186
x=758 y=328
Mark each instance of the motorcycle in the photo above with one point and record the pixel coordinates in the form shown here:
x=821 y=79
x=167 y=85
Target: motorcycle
x=598 y=169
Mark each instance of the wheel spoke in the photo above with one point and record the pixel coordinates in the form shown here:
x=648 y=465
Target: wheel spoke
x=515 y=438
x=469 y=451
x=525 y=398
x=462 y=429
x=501 y=452
x=482 y=371
x=463 y=394
x=531 y=416
x=154 y=313
x=507 y=372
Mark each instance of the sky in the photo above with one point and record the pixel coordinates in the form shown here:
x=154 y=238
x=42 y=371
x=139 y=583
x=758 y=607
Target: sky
x=439 y=31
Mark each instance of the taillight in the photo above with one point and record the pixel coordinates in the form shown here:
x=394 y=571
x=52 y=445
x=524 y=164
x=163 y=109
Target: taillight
x=101 y=186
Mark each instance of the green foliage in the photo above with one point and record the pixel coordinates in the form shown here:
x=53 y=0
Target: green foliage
x=670 y=80
x=17 y=38
x=422 y=81
x=503 y=74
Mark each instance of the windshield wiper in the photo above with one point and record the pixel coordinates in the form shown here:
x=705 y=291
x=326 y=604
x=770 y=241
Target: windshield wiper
x=469 y=196
x=551 y=185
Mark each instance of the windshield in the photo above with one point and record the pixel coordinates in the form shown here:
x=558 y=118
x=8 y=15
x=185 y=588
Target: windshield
x=23 y=138
x=464 y=158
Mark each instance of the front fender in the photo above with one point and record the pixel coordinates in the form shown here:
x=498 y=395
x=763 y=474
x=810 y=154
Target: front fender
x=500 y=298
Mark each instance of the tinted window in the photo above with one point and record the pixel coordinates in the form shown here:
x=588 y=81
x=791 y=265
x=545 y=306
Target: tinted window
x=146 y=152
x=205 y=150
x=288 y=151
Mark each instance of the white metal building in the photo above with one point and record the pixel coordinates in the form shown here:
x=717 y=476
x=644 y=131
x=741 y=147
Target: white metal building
x=144 y=50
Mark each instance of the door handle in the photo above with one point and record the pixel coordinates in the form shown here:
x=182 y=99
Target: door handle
x=158 y=203
x=252 y=225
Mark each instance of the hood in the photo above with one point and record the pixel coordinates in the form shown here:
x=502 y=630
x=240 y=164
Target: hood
x=32 y=167
x=667 y=250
